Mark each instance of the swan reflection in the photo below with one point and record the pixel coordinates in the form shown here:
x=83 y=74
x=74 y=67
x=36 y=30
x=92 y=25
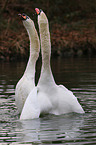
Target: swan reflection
x=51 y=128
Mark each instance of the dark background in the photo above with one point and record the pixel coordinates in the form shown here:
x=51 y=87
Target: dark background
x=72 y=27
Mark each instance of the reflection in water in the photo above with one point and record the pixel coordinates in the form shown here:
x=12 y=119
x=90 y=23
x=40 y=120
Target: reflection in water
x=78 y=75
x=51 y=128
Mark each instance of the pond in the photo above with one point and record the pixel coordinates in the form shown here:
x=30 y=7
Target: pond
x=79 y=76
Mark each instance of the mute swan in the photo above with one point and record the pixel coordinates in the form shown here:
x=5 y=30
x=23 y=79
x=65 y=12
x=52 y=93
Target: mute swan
x=50 y=97
x=61 y=99
x=27 y=82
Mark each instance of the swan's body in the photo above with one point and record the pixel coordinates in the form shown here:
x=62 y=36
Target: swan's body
x=27 y=82
x=52 y=98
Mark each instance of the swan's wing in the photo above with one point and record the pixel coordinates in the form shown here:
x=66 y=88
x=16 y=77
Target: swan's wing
x=65 y=89
x=31 y=107
x=68 y=100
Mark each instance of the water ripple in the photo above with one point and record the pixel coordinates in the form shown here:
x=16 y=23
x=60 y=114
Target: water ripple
x=70 y=129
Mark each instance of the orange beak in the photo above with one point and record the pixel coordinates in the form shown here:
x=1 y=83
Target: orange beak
x=24 y=17
x=37 y=11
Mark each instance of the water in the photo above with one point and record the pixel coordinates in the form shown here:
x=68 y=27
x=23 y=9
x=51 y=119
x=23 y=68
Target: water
x=78 y=75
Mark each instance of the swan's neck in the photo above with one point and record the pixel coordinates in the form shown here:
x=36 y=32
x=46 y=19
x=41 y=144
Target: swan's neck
x=34 y=51
x=46 y=73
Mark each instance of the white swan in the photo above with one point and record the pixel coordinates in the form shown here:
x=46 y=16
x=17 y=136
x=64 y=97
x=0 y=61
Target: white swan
x=61 y=99
x=50 y=97
x=27 y=82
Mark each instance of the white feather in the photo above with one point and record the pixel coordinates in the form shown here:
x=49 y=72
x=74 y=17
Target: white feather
x=31 y=108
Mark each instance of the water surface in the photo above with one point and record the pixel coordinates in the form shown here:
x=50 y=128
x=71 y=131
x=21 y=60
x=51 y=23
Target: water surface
x=78 y=75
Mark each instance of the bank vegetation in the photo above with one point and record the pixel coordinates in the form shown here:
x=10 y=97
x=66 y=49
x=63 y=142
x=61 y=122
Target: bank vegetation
x=72 y=27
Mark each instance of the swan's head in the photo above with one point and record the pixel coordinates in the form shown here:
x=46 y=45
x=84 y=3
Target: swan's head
x=41 y=16
x=38 y=11
x=26 y=20
x=23 y=16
